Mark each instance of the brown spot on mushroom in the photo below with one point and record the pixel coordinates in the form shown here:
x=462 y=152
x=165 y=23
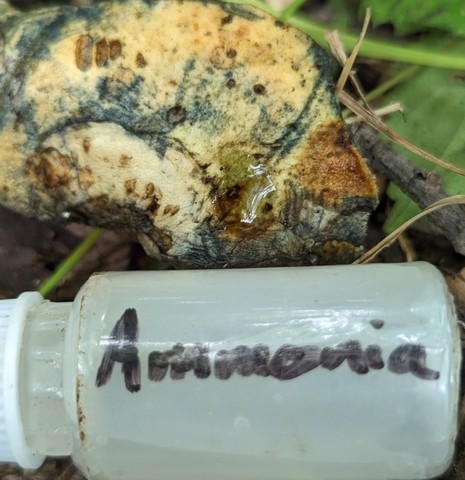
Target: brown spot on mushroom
x=259 y=89
x=115 y=49
x=101 y=53
x=151 y=199
x=162 y=240
x=332 y=169
x=83 y=52
x=149 y=189
x=19 y=120
x=176 y=114
x=151 y=205
x=267 y=207
x=167 y=242
x=243 y=32
x=86 y=178
x=86 y=145
x=231 y=83
x=226 y=20
x=140 y=60
x=223 y=58
x=232 y=193
x=51 y=168
x=171 y=210
x=124 y=160
x=130 y=185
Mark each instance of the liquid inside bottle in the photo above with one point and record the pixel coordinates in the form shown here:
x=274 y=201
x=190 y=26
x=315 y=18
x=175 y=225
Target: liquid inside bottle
x=329 y=372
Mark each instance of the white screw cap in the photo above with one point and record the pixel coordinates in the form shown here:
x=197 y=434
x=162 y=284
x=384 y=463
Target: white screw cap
x=13 y=446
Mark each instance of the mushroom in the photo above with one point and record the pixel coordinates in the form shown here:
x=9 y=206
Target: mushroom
x=210 y=130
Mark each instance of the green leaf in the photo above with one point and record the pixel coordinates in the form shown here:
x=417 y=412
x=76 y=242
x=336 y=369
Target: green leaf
x=434 y=106
x=409 y=16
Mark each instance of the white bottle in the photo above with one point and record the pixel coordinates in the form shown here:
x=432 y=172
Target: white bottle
x=347 y=372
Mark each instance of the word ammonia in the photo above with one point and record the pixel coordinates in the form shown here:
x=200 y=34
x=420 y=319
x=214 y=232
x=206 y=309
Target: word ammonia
x=285 y=363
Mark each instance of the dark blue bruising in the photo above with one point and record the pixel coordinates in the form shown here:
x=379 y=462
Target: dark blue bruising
x=117 y=103
x=349 y=204
x=325 y=64
x=249 y=96
x=27 y=112
x=263 y=125
x=238 y=10
x=197 y=108
x=149 y=3
x=329 y=70
x=205 y=82
x=32 y=46
x=287 y=108
x=189 y=67
x=29 y=44
x=334 y=104
x=120 y=103
x=200 y=110
x=114 y=91
x=207 y=249
x=160 y=143
x=299 y=128
x=292 y=133
x=41 y=34
x=35 y=42
x=11 y=25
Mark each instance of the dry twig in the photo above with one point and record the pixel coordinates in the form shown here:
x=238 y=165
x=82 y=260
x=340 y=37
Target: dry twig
x=379 y=125
x=392 y=237
x=423 y=188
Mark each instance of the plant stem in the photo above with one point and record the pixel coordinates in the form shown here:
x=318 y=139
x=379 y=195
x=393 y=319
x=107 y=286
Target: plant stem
x=389 y=84
x=62 y=270
x=290 y=9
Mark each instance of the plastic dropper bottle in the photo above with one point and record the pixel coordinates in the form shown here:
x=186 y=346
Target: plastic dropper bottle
x=347 y=372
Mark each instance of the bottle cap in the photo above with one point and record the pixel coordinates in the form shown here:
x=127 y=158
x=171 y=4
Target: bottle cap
x=13 y=445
